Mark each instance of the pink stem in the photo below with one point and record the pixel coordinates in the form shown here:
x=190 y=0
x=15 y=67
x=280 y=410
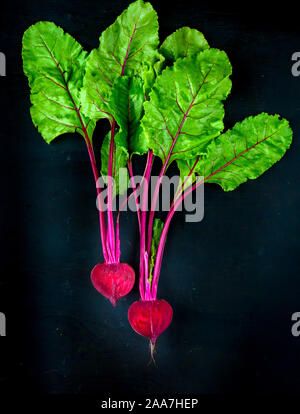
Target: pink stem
x=144 y=275
x=118 y=248
x=134 y=192
x=146 y=278
x=162 y=242
x=146 y=176
x=135 y=196
x=101 y=212
x=110 y=220
x=155 y=199
x=156 y=191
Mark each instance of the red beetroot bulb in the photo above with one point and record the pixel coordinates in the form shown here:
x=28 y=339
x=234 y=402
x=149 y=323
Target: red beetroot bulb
x=113 y=280
x=150 y=318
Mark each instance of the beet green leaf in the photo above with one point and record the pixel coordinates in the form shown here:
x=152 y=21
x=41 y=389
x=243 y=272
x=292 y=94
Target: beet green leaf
x=127 y=47
x=126 y=103
x=245 y=152
x=185 y=111
x=54 y=63
x=182 y=43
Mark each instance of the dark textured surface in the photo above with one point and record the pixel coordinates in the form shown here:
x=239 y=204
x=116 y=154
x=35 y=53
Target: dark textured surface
x=233 y=279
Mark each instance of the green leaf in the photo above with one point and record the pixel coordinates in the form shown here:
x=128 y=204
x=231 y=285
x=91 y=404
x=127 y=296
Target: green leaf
x=185 y=111
x=158 y=226
x=127 y=47
x=182 y=43
x=120 y=158
x=246 y=151
x=126 y=103
x=54 y=63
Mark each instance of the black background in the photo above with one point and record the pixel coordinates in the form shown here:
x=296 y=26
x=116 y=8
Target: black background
x=232 y=279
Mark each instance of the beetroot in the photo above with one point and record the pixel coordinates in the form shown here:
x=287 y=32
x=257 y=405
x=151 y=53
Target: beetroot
x=150 y=318
x=113 y=280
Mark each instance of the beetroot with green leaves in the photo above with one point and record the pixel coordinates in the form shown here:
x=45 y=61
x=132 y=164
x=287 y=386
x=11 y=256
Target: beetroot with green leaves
x=181 y=122
x=72 y=89
x=164 y=102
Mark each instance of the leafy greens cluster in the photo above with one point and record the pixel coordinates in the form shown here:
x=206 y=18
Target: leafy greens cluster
x=165 y=101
